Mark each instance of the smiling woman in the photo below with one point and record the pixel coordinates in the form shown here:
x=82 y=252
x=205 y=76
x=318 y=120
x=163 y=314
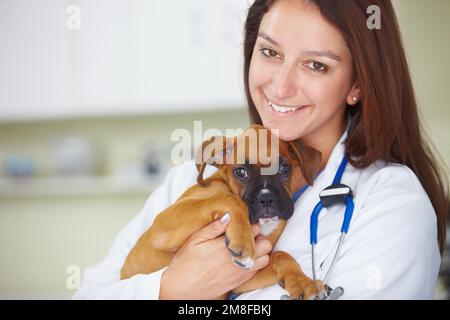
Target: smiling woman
x=311 y=63
x=315 y=72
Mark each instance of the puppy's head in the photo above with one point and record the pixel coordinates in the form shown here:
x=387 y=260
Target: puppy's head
x=261 y=169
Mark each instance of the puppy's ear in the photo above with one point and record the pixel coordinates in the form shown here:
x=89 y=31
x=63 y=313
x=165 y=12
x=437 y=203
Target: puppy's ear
x=308 y=158
x=213 y=151
x=257 y=126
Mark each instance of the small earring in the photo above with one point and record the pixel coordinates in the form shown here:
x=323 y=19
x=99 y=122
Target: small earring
x=354 y=99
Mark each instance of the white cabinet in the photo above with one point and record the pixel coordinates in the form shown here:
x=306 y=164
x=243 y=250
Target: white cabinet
x=36 y=76
x=128 y=56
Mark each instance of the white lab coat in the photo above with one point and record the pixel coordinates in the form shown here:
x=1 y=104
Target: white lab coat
x=390 y=252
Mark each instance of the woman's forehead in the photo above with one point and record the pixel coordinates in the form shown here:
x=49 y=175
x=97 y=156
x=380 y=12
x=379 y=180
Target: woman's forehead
x=292 y=19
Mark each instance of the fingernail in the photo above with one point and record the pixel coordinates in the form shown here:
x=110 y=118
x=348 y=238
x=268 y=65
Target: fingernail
x=225 y=218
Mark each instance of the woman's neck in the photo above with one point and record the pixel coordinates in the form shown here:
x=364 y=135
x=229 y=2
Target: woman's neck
x=325 y=140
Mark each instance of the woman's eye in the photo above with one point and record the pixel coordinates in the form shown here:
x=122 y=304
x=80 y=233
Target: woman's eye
x=241 y=172
x=317 y=66
x=268 y=53
x=284 y=168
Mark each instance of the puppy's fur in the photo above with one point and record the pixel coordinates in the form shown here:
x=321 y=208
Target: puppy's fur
x=249 y=197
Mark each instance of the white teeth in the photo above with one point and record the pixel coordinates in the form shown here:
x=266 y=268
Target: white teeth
x=282 y=109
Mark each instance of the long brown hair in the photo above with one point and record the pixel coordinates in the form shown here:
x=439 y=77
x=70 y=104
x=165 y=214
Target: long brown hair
x=385 y=121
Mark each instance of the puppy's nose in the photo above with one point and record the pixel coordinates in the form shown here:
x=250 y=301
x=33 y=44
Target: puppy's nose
x=265 y=198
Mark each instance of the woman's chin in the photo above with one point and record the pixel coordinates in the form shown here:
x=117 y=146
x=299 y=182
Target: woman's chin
x=289 y=135
x=288 y=128
x=284 y=133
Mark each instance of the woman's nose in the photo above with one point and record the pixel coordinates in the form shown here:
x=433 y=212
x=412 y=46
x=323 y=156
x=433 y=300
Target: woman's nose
x=284 y=82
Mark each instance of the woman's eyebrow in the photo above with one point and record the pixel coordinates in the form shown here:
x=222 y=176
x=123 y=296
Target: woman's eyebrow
x=326 y=53
x=266 y=37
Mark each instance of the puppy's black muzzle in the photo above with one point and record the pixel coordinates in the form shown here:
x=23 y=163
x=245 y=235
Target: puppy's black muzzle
x=268 y=200
x=265 y=199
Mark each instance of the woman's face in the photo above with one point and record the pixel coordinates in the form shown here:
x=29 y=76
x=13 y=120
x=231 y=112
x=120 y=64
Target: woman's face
x=301 y=74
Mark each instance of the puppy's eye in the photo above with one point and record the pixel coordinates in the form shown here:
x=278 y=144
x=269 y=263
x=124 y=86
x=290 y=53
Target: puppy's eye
x=284 y=168
x=241 y=172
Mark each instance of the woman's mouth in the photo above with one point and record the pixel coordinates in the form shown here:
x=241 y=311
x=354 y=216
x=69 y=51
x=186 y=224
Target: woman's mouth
x=282 y=111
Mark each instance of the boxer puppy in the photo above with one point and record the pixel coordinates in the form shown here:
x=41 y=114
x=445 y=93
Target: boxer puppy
x=240 y=188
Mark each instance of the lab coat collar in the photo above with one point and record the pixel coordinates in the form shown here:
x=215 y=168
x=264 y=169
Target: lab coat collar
x=326 y=176
x=296 y=233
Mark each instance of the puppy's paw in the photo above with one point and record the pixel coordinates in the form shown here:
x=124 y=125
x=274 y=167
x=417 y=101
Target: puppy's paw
x=246 y=263
x=300 y=287
x=242 y=251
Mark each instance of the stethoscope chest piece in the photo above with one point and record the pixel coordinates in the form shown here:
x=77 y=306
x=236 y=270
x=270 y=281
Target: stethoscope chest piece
x=332 y=294
x=334 y=194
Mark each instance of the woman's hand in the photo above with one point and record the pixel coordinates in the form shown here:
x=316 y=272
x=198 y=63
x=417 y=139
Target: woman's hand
x=202 y=268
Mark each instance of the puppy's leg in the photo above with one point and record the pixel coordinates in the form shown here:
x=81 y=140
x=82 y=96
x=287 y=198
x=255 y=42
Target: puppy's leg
x=283 y=269
x=239 y=237
x=176 y=224
x=172 y=227
x=169 y=232
x=144 y=260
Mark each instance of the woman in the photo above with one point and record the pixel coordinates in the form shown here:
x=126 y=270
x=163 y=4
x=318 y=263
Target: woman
x=314 y=70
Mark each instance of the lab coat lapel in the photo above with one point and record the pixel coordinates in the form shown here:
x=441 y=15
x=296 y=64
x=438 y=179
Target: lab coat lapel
x=295 y=237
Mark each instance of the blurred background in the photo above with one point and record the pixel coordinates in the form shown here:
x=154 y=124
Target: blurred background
x=90 y=92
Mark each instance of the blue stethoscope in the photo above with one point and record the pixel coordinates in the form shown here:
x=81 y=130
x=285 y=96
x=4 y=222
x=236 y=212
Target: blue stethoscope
x=333 y=194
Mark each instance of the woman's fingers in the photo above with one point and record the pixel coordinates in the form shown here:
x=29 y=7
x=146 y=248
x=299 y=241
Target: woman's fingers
x=261 y=262
x=260 y=237
x=255 y=229
x=262 y=247
x=244 y=275
x=212 y=230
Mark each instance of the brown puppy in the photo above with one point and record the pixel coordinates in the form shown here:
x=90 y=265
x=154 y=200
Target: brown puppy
x=240 y=188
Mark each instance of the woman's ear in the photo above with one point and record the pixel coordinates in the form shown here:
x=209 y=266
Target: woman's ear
x=354 y=95
x=213 y=151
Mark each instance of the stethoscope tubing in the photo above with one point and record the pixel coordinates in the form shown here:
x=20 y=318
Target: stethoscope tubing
x=349 y=207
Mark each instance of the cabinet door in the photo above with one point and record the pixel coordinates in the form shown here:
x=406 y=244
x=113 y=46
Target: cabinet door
x=39 y=74
x=133 y=56
x=162 y=56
